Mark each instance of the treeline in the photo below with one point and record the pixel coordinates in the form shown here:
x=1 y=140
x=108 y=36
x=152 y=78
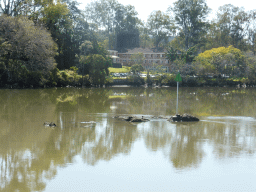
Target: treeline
x=54 y=43
x=185 y=22
x=45 y=43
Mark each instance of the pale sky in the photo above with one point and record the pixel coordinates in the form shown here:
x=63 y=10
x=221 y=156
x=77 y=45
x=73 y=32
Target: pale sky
x=144 y=8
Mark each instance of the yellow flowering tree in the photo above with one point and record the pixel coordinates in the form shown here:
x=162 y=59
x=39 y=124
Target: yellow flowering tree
x=221 y=60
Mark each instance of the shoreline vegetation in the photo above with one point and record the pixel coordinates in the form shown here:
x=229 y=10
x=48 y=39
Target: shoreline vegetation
x=55 y=44
x=69 y=78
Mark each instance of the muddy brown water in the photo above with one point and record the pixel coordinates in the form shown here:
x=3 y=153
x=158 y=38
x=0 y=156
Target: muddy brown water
x=89 y=150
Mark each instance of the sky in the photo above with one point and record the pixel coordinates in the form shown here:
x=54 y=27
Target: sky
x=144 y=8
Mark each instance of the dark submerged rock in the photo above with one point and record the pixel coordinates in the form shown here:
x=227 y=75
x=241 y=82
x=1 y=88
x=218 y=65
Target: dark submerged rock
x=132 y=118
x=52 y=124
x=135 y=119
x=183 y=118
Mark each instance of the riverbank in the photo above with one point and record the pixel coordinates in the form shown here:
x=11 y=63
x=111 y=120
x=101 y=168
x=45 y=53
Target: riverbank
x=127 y=83
x=70 y=78
x=186 y=82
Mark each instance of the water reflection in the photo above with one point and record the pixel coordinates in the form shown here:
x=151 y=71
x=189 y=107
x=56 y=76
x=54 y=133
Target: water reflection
x=30 y=154
x=186 y=146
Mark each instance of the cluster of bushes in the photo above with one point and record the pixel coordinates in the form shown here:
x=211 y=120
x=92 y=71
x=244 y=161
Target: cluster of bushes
x=167 y=79
x=29 y=79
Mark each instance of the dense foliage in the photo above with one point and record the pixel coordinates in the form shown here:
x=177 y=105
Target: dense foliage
x=42 y=41
x=229 y=61
x=26 y=50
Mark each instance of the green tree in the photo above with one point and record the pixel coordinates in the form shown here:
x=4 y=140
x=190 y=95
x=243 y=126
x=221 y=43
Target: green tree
x=251 y=65
x=67 y=25
x=222 y=60
x=136 y=68
x=145 y=40
x=13 y=7
x=94 y=62
x=233 y=25
x=97 y=67
x=190 y=16
x=137 y=58
x=102 y=14
x=111 y=19
x=161 y=27
x=57 y=20
x=25 y=47
x=172 y=54
x=175 y=54
x=252 y=31
x=189 y=55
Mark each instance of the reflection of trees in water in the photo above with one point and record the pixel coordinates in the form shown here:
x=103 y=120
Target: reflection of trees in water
x=20 y=137
x=223 y=101
x=197 y=101
x=30 y=153
x=26 y=166
x=146 y=101
x=231 y=138
x=186 y=148
x=111 y=137
x=180 y=142
x=157 y=135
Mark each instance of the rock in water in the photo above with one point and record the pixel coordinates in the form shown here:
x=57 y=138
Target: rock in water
x=52 y=124
x=139 y=119
x=183 y=118
x=132 y=118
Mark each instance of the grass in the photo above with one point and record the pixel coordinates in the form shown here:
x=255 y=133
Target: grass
x=124 y=69
x=117 y=96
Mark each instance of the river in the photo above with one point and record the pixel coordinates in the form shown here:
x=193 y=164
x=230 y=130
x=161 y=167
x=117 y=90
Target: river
x=89 y=150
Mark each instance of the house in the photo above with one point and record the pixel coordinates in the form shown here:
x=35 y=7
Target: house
x=151 y=58
x=115 y=59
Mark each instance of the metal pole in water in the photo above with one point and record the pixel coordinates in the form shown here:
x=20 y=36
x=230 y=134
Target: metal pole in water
x=177 y=97
x=178 y=79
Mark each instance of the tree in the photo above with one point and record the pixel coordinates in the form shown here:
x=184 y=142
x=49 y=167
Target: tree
x=97 y=68
x=188 y=56
x=160 y=26
x=103 y=14
x=137 y=58
x=94 y=61
x=252 y=31
x=233 y=25
x=175 y=54
x=172 y=54
x=190 y=15
x=136 y=68
x=65 y=22
x=114 y=21
x=12 y=7
x=251 y=65
x=56 y=17
x=145 y=40
x=25 y=47
x=222 y=60
x=127 y=28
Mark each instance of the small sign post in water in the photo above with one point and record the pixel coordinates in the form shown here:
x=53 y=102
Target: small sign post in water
x=185 y=117
x=178 y=79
